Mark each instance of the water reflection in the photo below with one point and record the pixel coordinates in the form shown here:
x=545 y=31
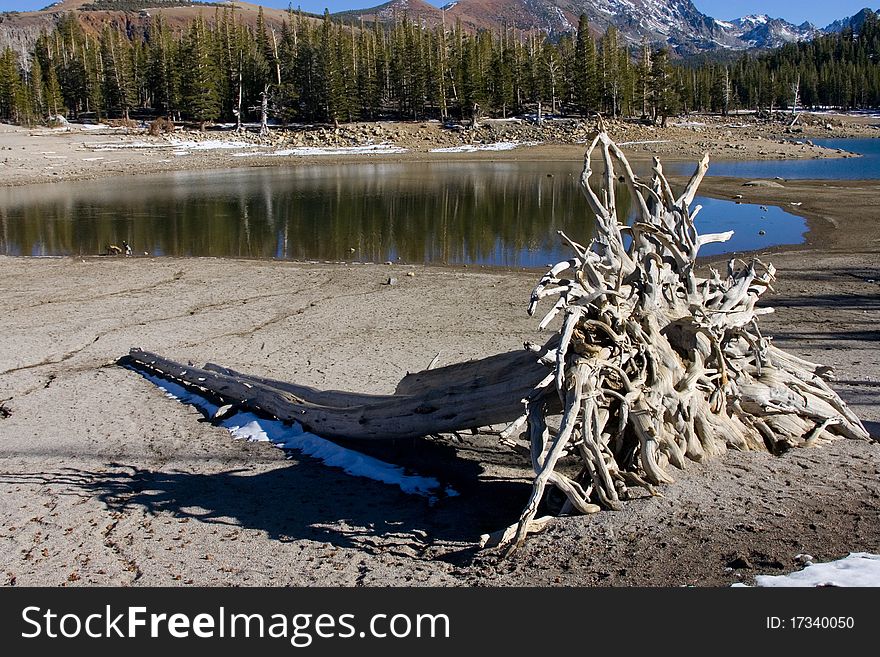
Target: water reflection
x=480 y=213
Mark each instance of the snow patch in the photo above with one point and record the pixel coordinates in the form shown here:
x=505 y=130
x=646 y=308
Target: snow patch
x=566 y=25
x=123 y=145
x=497 y=146
x=243 y=425
x=857 y=569
x=208 y=144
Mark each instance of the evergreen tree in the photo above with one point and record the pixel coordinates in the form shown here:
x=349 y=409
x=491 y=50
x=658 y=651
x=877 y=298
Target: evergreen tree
x=163 y=75
x=36 y=88
x=664 y=91
x=120 y=89
x=611 y=82
x=10 y=79
x=199 y=99
x=52 y=90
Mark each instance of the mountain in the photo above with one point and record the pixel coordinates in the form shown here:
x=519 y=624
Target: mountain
x=677 y=23
x=416 y=10
x=20 y=30
x=855 y=22
x=761 y=31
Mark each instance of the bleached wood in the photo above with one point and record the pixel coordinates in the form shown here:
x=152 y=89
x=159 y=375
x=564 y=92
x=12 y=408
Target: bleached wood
x=671 y=365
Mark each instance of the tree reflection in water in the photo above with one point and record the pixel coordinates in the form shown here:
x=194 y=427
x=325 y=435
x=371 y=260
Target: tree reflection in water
x=504 y=214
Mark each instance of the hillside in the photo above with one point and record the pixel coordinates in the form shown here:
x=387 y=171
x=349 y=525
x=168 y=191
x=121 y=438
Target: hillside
x=20 y=30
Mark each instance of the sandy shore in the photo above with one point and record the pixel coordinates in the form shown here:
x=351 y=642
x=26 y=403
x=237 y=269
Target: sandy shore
x=83 y=152
x=106 y=481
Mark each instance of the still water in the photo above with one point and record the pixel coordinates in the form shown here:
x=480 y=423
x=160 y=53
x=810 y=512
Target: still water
x=866 y=167
x=503 y=214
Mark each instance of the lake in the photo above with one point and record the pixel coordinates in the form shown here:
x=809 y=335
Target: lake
x=481 y=213
x=866 y=167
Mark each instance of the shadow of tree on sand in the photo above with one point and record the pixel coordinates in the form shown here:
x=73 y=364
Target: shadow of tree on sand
x=306 y=500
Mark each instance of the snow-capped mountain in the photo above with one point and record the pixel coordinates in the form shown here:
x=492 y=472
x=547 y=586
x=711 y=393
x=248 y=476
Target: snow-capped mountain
x=675 y=22
x=761 y=31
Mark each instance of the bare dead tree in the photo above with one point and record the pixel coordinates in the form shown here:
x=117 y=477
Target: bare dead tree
x=657 y=365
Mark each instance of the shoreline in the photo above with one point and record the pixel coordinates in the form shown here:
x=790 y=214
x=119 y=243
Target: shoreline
x=78 y=152
x=108 y=482
x=39 y=156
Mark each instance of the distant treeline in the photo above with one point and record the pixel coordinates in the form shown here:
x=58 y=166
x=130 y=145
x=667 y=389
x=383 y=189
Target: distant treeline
x=326 y=71
x=141 y=5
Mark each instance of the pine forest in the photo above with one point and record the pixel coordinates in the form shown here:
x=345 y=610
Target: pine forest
x=313 y=70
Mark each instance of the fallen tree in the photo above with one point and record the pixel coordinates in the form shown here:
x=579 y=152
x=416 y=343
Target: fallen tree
x=653 y=365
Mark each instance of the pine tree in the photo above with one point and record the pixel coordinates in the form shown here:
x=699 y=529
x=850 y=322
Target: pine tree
x=199 y=98
x=163 y=75
x=329 y=82
x=36 y=88
x=664 y=92
x=120 y=90
x=10 y=79
x=643 y=72
x=52 y=90
x=611 y=83
x=503 y=78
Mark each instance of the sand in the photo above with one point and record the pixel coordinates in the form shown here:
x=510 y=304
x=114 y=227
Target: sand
x=106 y=481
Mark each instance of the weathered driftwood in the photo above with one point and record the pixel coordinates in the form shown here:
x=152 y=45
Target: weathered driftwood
x=657 y=365
x=462 y=396
x=652 y=366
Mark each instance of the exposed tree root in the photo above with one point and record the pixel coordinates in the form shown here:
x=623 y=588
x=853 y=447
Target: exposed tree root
x=656 y=365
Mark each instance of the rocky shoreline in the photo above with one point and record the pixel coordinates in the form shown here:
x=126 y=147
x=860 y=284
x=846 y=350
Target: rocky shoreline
x=79 y=152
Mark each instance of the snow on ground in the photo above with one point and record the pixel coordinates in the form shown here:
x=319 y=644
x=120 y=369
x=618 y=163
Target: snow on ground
x=209 y=144
x=497 y=146
x=248 y=426
x=113 y=146
x=857 y=569
x=871 y=114
x=341 y=150
x=177 y=144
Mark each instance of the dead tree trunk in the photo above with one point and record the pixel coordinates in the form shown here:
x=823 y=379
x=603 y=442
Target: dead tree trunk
x=264 y=111
x=652 y=366
x=656 y=365
x=462 y=396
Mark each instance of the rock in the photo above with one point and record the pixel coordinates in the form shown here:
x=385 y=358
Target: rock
x=739 y=562
x=390 y=281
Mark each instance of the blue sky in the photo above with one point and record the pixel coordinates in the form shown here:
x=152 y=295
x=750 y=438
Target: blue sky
x=795 y=11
